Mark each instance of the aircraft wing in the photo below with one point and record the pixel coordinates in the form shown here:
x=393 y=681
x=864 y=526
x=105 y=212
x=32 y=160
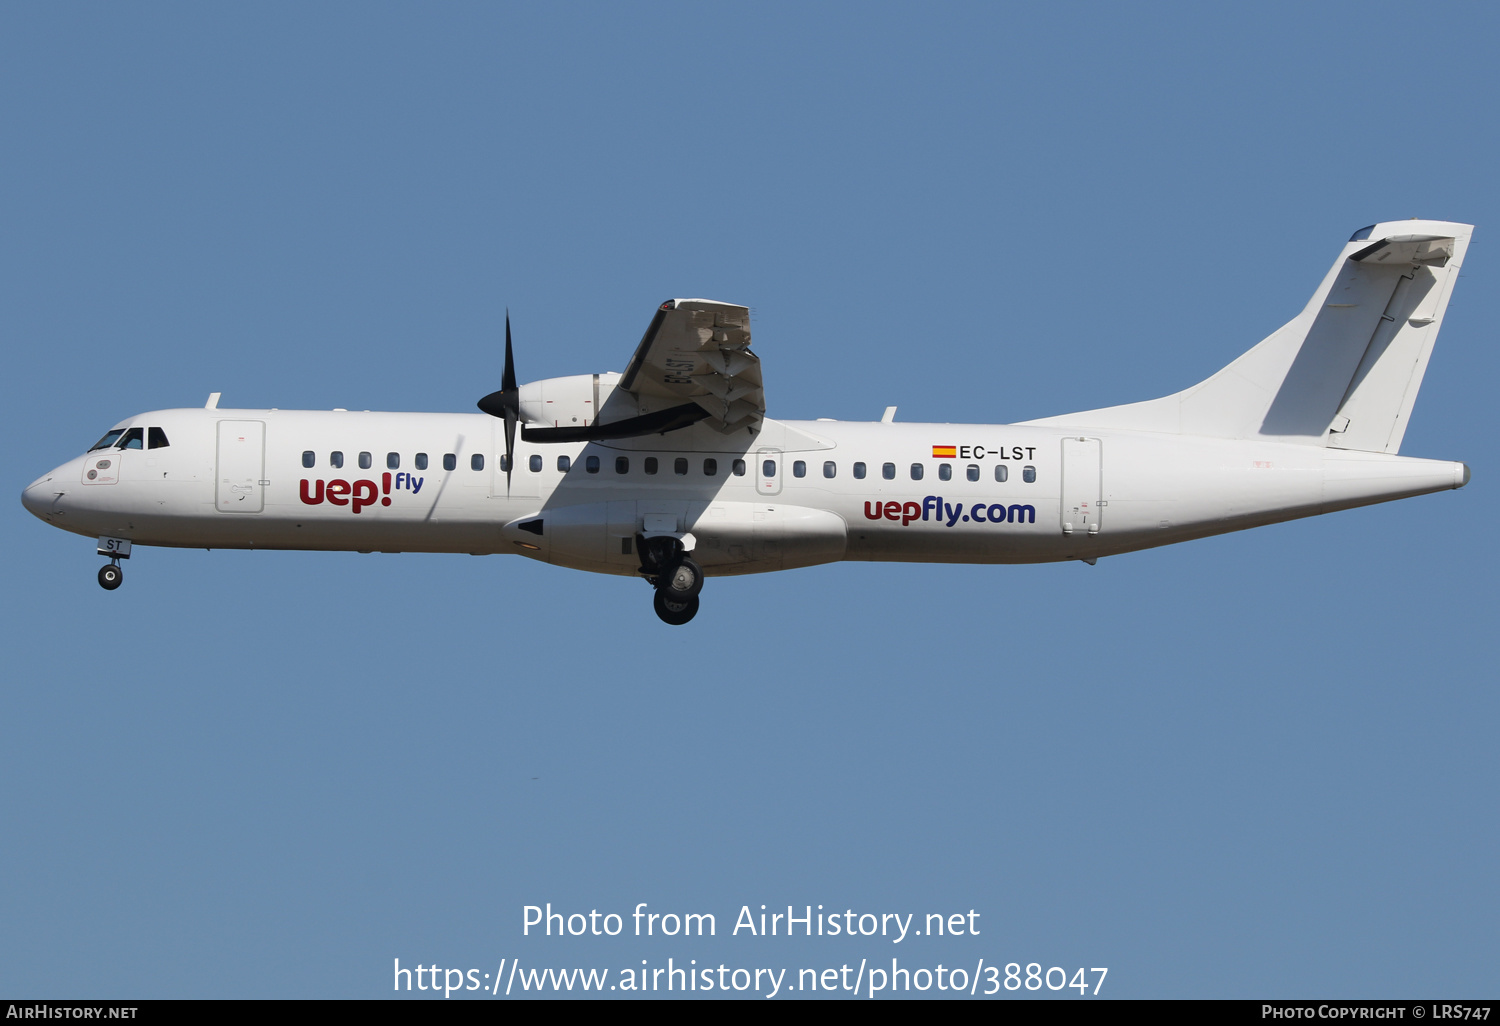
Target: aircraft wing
x=697 y=351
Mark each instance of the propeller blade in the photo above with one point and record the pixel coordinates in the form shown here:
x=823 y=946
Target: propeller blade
x=506 y=404
x=510 y=445
x=512 y=402
x=508 y=379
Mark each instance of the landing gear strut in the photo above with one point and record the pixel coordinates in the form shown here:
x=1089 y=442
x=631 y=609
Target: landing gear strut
x=675 y=576
x=111 y=576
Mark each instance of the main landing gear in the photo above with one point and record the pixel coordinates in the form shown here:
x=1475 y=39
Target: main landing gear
x=111 y=576
x=674 y=575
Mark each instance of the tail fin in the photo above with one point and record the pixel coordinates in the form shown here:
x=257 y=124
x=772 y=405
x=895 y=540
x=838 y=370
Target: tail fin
x=1343 y=373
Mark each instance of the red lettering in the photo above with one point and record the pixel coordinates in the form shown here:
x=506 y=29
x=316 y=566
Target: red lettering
x=893 y=510
x=873 y=510
x=316 y=498
x=337 y=489
x=364 y=494
x=911 y=511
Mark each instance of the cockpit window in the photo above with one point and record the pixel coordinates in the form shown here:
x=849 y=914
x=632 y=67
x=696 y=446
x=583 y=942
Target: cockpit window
x=108 y=440
x=135 y=438
x=156 y=438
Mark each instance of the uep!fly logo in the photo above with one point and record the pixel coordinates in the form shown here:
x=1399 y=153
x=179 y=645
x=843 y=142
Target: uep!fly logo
x=358 y=494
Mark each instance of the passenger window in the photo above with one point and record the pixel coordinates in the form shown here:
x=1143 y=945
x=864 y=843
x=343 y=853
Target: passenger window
x=945 y=472
x=768 y=468
x=535 y=463
x=739 y=468
x=366 y=461
x=888 y=471
x=859 y=471
x=916 y=471
x=591 y=464
x=109 y=439
x=650 y=464
x=156 y=438
x=679 y=465
x=1028 y=474
x=799 y=468
x=421 y=461
x=476 y=461
x=563 y=463
x=450 y=461
x=504 y=463
x=1002 y=472
x=309 y=458
x=134 y=439
x=830 y=469
x=622 y=464
x=336 y=460
x=393 y=461
x=973 y=472
x=710 y=468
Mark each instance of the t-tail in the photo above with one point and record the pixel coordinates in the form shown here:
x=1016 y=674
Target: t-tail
x=1344 y=373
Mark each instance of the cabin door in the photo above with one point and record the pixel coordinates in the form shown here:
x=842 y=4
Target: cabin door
x=241 y=480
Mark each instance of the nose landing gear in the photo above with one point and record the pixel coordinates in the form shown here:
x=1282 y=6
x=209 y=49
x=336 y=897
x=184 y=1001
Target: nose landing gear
x=675 y=576
x=111 y=577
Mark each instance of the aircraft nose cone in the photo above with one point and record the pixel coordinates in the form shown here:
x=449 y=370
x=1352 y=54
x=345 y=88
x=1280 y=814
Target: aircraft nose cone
x=38 y=496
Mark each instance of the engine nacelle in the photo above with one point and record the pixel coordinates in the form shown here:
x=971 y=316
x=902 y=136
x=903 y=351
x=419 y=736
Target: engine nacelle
x=572 y=401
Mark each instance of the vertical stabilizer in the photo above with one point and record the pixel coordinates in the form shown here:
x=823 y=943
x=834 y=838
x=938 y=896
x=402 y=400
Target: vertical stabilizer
x=1345 y=371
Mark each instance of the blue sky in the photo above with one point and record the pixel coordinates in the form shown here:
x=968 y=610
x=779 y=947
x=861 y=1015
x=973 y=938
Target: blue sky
x=1253 y=765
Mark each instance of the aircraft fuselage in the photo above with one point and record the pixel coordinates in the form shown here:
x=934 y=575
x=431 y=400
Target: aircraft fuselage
x=787 y=494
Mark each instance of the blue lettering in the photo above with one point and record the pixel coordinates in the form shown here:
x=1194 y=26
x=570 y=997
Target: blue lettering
x=415 y=482
x=996 y=513
x=933 y=503
x=953 y=512
x=1017 y=515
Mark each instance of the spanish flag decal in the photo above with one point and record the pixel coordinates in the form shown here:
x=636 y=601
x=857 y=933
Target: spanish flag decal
x=941 y=452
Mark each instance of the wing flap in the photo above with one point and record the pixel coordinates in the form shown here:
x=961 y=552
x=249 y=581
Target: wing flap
x=698 y=350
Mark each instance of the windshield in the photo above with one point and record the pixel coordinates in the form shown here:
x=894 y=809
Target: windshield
x=108 y=440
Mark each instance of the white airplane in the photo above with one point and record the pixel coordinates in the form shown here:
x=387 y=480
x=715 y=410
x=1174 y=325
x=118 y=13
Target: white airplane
x=672 y=472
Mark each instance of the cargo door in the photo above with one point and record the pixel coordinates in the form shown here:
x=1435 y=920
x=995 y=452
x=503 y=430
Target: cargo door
x=241 y=479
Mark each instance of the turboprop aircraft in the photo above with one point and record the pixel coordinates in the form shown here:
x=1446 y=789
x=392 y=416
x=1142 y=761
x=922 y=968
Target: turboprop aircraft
x=672 y=471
